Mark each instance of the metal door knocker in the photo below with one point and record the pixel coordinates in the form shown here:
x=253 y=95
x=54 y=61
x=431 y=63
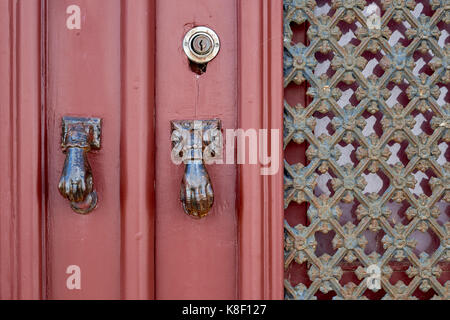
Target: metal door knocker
x=196 y=143
x=79 y=136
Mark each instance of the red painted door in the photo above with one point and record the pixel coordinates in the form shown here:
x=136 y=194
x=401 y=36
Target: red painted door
x=90 y=74
x=123 y=62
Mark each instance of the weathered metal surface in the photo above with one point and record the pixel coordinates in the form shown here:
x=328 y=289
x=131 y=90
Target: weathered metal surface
x=201 y=44
x=195 y=143
x=79 y=136
x=353 y=68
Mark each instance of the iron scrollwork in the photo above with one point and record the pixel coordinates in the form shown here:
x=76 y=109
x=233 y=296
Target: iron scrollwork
x=196 y=143
x=79 y=136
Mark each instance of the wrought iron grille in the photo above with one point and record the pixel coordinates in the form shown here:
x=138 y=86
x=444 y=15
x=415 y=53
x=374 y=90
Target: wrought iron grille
x=366 y=136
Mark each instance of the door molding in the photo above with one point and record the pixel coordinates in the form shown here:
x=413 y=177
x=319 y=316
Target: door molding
x=20 y=143
x=138 y=150
x=260 y=208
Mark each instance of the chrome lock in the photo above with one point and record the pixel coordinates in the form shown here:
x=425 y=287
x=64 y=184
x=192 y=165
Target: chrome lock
x=201 y=44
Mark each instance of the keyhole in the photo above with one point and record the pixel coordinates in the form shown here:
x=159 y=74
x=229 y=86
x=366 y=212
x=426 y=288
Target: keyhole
x=201 y=45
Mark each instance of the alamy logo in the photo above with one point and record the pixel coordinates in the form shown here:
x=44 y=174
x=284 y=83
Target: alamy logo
x=373 y=280
x=241 y=146
x=73 y=21
x=73 y=281
x=373 y=17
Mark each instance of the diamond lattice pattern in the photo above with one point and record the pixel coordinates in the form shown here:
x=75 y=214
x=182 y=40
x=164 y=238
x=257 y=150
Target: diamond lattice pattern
x=366 y=136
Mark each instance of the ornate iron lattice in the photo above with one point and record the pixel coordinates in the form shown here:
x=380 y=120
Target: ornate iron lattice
x=367 y=103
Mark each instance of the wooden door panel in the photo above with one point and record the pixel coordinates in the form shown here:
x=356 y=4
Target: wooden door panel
x=83 y=79
x=195 y=259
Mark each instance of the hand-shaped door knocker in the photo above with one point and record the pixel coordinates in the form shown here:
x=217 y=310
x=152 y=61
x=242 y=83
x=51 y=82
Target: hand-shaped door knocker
x=79 y=136
x=195 y=143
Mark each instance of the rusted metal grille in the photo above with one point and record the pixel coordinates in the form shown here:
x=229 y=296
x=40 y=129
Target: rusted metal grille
x=366 y=135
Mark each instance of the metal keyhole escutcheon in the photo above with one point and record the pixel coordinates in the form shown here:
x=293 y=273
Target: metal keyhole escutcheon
x=201 y=44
